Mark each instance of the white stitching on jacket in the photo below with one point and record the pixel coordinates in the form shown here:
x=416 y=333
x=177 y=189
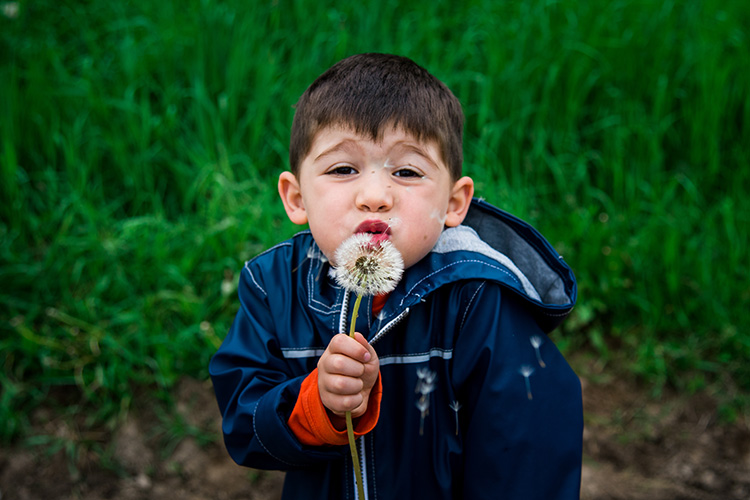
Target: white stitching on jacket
x=456 y=263
x=468 y=306
x=257 y=436
x=252 y=277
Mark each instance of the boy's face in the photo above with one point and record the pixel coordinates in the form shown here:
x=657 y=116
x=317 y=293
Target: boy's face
x=398 y=187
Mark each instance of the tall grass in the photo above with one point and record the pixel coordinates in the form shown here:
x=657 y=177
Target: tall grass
x=140 y=145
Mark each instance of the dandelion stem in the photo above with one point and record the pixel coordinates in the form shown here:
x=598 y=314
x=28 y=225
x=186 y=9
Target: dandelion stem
x=528 y=389
x=355 y=313
x=539 y=358
x=355 y=456
x=349 y=424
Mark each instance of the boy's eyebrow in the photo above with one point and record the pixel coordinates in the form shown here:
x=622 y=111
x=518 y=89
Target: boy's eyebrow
x=345 y=146
x=411 y=147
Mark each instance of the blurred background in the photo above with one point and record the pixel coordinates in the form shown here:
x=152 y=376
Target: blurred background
x=140 y=143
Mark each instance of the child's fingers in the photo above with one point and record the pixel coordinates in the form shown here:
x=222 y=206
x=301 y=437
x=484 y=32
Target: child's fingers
x=339 y=405
x=341 y=364
x=347 y=370
x=341 y=385
x=339 y=393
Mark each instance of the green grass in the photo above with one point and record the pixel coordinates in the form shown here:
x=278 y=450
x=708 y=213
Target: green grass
x=140 y=145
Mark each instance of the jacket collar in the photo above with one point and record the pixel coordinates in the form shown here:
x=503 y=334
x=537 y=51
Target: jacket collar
x=491 y=245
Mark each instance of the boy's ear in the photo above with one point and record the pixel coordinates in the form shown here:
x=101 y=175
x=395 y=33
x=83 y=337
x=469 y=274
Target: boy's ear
x=291 y=197
x=460 y=201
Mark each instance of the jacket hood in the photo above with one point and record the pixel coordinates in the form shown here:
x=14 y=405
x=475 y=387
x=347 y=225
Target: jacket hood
x=494 y=245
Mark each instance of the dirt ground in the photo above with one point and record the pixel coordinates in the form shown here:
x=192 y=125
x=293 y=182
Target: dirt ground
x=634 y=448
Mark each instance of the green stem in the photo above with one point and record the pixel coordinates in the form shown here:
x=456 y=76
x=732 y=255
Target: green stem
x=355 y=455
x=355 y=312
x=349 y=424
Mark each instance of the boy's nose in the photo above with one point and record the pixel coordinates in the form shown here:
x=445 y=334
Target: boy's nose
x=375 y=193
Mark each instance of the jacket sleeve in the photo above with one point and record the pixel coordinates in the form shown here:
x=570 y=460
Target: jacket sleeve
x=255 y=388
x=523 y=418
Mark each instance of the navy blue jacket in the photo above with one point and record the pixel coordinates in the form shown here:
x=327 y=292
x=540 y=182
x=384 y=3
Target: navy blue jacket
x=477 y=401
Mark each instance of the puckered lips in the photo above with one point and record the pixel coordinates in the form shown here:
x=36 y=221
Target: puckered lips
x=379 y=230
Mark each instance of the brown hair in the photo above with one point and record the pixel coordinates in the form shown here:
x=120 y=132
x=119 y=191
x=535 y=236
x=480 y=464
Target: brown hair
x=369 y=92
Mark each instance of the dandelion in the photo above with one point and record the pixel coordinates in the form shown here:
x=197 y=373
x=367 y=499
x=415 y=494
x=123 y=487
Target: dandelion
x=425 y=381
x=366 y=264
x=368 y=268
x=425 y=385
x=526 y=371
x=455 y=406
x=536 y=343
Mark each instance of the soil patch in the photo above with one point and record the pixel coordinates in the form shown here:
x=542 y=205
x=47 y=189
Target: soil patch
x=635 y=447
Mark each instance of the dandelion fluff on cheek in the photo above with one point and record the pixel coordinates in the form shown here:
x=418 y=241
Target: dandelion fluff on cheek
x=366 y=267
x=440 y=217
x=394 y=221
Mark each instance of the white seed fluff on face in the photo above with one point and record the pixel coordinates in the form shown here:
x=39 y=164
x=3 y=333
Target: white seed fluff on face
x=368 y=268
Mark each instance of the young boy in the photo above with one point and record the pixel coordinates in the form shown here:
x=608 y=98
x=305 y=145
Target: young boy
x=455 y=389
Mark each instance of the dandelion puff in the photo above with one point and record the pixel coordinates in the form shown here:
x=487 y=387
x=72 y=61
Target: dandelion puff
x=368 y=268
x=526 y=371
x=536 y=343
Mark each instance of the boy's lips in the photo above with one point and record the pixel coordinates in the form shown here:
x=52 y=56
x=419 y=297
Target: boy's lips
x=379 y=230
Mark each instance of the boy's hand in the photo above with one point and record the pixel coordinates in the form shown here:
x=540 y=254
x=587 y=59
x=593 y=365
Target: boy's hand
x=347 y=371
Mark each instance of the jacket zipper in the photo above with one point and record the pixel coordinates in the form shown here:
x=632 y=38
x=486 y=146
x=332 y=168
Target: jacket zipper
x=363 y=466
x=342 y=328
x=361 y=448
x=389 y=326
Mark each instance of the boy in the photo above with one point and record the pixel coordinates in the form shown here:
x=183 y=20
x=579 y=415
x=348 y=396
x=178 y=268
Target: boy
x=455 y=390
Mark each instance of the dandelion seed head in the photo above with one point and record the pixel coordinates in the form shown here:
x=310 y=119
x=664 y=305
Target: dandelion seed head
x=526 y=370
x=368 y=268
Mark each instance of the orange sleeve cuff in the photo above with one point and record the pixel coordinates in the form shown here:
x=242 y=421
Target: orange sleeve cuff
x=310 y=423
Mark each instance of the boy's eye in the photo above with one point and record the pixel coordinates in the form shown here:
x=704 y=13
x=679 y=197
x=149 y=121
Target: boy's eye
x=342 y=170
x=407 y=172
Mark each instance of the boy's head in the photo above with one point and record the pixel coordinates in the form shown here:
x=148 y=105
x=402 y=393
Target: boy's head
x=369 y=93
x=376 y=148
